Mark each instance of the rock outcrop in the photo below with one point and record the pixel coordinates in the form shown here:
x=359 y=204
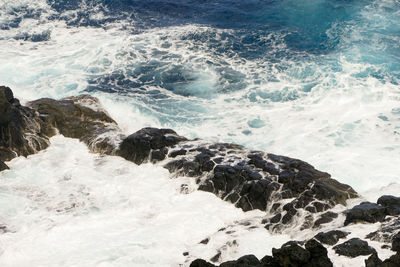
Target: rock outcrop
x=25 y=130
x=331 y=237
x=353 y=248
x=365 y=212
x=292 y=193
x=248 y=179
x=292 y=253
x=80 y=117
x=22 y=133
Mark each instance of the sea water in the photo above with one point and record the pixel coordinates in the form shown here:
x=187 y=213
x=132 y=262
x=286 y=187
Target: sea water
x=316 y=80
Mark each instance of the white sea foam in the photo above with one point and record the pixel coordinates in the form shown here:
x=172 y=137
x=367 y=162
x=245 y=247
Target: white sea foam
x=68 y=207
x=335 y=116
x=344 y=125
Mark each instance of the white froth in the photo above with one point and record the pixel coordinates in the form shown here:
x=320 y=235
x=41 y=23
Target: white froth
x=68 y=207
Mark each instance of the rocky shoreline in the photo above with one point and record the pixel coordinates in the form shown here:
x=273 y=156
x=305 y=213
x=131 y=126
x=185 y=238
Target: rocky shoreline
x=292 y=193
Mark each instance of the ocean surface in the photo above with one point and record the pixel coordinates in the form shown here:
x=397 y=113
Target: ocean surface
x=314 y=79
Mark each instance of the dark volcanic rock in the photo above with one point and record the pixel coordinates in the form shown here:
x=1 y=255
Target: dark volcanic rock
x=326 y=217
x=137 y=146
x=386 y=231
x=391 y=203
x=318 y=253
x=249 y=179
x=365 y=212
x=79 y=117
x=255 y=183
x=3 y=166
x=373 y=261
x=21 y=130
x=291 y=254
x=244 y=261
x=353 y=248
x=331 y=237
x=201 y=263
x=396 y=242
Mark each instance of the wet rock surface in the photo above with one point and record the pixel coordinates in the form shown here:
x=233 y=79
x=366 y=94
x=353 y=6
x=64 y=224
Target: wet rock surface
x=149 y=143
x=393 y=261
x=291 y=192
x=391 y=204
x=80 y=117
x=331 y=237
x=25 y=130
x=365 y=212
x=292 y=253
x=248 y=179
x=353 y=248
x=3 y=166
x=22 y=133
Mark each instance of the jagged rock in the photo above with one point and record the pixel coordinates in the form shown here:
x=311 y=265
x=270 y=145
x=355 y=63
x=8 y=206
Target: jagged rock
x=387 y=229
x=137 y=146
x=396 y=242
x=253 y=184
x=373 y=261
x=393 y=261
x=80 y=117
x=269 y=261
x=248 y=179
x=365 y=212
x=391 y=203
x=353 y=248
x=201 y=263
x=3 y=166
x=21 y=130
x=326 y=217
x=318 y=254
x=291 y=254
x=331 y=237
x=244 y=261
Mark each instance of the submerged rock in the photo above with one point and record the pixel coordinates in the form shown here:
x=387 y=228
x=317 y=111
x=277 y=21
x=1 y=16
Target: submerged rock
x=353 y=248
